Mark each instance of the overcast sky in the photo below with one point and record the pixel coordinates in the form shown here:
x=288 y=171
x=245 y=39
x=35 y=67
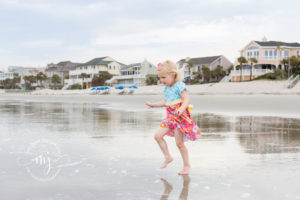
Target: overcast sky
x=38 y=32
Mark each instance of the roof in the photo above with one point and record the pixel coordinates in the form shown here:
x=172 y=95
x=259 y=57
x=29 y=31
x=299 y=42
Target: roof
x=201 y=60
x=130 y=66
x=277 y=43
x=64 y=66
x=97 y=61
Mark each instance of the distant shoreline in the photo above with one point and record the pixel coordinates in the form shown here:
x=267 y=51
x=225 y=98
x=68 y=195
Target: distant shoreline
x=227 y=88
x=232 y=105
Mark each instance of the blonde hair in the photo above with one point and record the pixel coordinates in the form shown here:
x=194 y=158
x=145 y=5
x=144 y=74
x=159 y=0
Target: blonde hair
x=169 y=67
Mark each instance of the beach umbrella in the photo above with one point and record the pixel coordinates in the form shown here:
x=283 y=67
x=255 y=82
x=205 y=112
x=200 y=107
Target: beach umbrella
x=133 y=86
x=99 y=88
x=120 y=87
x=106 y=88
x=94 y=88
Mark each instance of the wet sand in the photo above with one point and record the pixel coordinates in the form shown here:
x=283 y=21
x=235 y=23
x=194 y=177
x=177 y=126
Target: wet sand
x=80 y=149
x=233 y=105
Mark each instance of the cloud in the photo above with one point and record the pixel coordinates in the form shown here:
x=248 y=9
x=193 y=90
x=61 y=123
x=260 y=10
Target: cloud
x=43 y=31
x=48 y=43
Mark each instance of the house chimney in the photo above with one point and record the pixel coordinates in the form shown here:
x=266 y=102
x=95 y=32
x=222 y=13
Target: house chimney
x=264 y=39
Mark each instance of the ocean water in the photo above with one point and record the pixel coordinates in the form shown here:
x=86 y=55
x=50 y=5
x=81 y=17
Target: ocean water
x=87 y=151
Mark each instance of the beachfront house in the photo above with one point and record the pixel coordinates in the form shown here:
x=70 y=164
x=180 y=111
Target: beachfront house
x=211 y=62
x=268 y=54
x=61 y=69
x=92 y=68
x=24 y=71
x=134 y=74
x=6 y=75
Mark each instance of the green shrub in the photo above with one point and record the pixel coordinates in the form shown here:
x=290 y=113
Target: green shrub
x=277 y=75
x=76 y=86
x=151 y=80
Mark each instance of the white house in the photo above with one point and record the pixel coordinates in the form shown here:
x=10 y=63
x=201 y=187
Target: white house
x=92 y=68
x=134 y=74
x=211 y=62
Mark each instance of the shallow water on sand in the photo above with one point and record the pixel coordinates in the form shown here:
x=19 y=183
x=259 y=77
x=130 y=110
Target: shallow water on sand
x=83 y=151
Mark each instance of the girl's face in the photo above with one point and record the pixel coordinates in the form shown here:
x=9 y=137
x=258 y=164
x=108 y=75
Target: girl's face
x=168 y=79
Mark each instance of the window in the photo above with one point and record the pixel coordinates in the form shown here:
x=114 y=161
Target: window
x=275 y=53
x=270 y=53
x=281 y=53
x=298 y=53
x=286 y=53
x=252 y=48
x=114 y=67
x=266 y=53
x=252 y=52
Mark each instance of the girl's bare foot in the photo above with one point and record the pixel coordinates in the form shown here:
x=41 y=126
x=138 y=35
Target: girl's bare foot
x=185 y=170
x=167 y=161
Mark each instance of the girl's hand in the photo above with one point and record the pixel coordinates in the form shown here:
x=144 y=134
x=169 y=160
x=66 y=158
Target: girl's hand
x=149 y=104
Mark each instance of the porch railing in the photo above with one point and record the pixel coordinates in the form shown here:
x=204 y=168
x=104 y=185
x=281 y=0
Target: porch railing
x=246 y=72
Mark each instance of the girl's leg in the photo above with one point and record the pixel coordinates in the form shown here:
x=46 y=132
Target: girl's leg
x=159 y=137
x=183 y=151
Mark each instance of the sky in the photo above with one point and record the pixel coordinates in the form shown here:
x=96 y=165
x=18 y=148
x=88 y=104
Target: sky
x=34 y=33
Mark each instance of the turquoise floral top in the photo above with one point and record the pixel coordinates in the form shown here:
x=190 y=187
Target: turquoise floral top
x=173 y=93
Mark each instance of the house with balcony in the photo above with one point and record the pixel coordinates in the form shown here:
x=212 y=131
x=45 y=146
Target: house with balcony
x=92 y=68
x=6 y=75
x=211 y=62
x=61 y=69
x=134 y=74
x=25 y=71
x=269 y=55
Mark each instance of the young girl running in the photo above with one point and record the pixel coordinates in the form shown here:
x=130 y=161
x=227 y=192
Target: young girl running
x=178 y=122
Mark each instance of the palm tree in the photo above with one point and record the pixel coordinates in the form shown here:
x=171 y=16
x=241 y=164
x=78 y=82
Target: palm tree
x=55 y=79
x=219 y=72
x=41 y=77
x=29 y=80
x=206 y=73
x=83 y=76
x=285 y=63
x=241 y=60
x=252 y=60
x=190 y=65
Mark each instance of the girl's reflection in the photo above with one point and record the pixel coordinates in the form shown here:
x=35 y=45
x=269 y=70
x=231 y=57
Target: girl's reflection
x=168 y=188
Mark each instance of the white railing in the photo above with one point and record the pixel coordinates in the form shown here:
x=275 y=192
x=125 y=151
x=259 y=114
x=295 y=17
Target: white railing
x=288 y=81
x=72 y=81
x=246 y=72
x=225 y=79
x=122 y=77
x=267 y=58
x=130 y=76
x=292 y=81
x=87 y=71
x=4 y=76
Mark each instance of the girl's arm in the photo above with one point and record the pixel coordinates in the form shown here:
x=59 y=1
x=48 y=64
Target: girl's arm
x=156 y=104
x=186 y=101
